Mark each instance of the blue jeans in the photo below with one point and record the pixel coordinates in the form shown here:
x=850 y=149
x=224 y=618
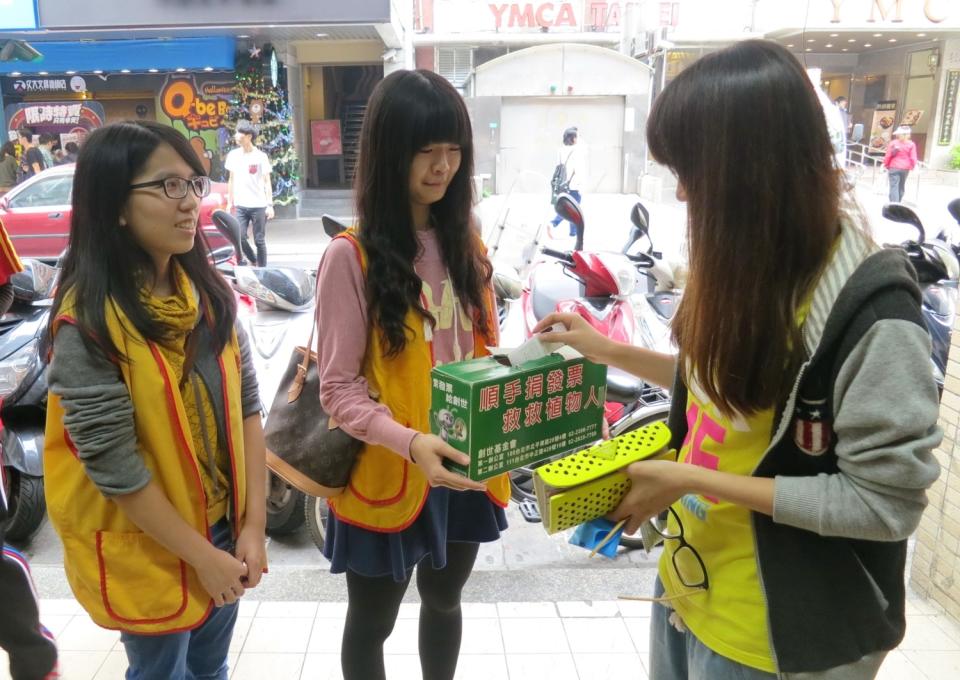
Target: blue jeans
x=681 y=656
x=898 y=184
x=558 y=219
x=198 y=654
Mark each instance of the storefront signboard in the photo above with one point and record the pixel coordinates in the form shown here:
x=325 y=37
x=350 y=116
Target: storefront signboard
x=74 y=119
x=152 y=13
x=884 y=121
x=57 y=84
x=196 y=107
x=472 y=16
x=949 y=112
x=818 y=15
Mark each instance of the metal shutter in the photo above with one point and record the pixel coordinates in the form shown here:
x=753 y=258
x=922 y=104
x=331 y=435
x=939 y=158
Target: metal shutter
x=455 y=64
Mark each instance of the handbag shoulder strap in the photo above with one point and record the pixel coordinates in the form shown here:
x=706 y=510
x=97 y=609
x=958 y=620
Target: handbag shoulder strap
x=296 y=387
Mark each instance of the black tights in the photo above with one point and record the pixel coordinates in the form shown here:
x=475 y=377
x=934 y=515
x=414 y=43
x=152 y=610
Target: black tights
x=375 y=602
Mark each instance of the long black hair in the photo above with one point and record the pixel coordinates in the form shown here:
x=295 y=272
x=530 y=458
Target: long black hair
x=409 y=110
x=104 y=262
x=745 y=133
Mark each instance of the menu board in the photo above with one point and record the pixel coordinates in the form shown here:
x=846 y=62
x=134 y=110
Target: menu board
x=884 y=122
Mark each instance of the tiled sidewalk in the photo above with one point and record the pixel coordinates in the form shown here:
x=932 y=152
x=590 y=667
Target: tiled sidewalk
x=516 y=641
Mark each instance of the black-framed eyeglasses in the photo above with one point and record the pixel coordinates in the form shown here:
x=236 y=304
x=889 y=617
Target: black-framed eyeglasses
x=687 y=562
x=176 y=187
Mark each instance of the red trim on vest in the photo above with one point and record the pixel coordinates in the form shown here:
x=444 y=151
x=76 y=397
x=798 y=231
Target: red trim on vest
x=386 y=501
x=381 y=530
x=230 y=449
x=172 y=405
x=106 y=601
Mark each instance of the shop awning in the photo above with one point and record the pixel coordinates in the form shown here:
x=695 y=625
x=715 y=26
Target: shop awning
x=216 y=53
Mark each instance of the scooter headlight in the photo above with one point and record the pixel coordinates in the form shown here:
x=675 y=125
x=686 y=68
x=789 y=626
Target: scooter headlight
x=16 y=367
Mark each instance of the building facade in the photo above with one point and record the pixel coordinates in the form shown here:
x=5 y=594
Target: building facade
x=173 y=61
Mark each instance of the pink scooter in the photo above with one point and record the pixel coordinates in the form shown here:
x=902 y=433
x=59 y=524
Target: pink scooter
x=602 y=288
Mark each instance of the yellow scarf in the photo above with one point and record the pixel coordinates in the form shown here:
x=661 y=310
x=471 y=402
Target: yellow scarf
x=180 y=314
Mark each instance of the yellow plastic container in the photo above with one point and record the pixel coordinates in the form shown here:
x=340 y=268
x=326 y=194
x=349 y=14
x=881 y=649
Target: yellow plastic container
x=590 y=483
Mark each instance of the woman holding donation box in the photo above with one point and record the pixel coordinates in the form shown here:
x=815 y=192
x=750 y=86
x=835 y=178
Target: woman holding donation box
x=804 y=411
x=409 y=289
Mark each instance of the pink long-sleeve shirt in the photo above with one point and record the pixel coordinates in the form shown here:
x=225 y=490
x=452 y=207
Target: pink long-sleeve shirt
x=901 y=155
x=342 y=331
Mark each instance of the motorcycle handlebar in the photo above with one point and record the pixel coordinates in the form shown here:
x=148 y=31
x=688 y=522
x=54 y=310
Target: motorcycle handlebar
x=557 y=255
x=642 y=260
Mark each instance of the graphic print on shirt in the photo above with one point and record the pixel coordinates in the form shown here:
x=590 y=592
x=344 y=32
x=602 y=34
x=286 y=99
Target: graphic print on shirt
x=444 y=313
x=701 y=429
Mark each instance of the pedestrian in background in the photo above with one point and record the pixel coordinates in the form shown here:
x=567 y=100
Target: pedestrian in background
x=573 y=157
x=8 y=167
x=154 y=460
x=900 y=159
x=250 y=190
x=31 y=160
x=45 y=147
x=411 y=288
x=70 y=151
x=843 y=105
x=803 y=407
x=29 y=645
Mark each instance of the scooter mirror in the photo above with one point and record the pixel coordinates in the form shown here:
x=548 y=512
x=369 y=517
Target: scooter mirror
x=953 y=207
x=640 y=217
x=37 y=281
x=331 y=226
x=228 y=225
x=569 y=209
x=897 y=212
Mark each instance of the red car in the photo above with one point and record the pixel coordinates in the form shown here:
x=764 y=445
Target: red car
x=36 y=213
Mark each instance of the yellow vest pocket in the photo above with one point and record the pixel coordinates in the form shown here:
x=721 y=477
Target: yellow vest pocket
x=140 y=581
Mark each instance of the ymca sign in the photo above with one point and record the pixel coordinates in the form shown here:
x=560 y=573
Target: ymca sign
x=934 y=11
x=470 y=16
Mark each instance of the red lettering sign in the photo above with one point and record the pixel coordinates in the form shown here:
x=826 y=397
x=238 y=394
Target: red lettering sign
x=512 y=390
x=555 y=381
x=534 y=387
x=511 y=419
x=554 y=407
x=533 y=413
x=489 y=397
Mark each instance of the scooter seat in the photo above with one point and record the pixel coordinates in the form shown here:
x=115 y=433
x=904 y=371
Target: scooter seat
x=549 y=286
x=622 y=387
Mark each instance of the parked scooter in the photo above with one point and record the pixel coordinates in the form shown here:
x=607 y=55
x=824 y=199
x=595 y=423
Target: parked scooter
x=23 y=391
x=274 y=306
x=603 y=288
x=938 y=269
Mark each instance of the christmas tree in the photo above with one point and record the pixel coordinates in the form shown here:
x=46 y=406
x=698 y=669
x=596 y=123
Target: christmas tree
x=265 y=104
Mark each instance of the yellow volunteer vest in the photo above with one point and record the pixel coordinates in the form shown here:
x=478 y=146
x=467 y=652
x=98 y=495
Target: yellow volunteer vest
x=386 y=492
x=123 y=578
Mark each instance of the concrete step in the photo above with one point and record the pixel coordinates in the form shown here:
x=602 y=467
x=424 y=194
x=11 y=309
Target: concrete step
x=310 y=194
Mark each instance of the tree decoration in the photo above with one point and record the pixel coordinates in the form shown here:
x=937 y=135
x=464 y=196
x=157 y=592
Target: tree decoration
x=257 y=100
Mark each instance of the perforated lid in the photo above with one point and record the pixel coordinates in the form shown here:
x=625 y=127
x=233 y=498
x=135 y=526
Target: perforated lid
x=584 y=466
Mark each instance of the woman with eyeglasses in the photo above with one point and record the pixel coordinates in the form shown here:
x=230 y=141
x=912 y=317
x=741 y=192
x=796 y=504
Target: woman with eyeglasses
x=804 y=411
x=154 y=456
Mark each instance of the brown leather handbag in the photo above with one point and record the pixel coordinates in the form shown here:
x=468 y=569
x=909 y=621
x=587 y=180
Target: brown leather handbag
x=304 y=445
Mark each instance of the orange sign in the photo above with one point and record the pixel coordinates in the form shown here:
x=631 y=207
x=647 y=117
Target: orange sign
x=181 y=101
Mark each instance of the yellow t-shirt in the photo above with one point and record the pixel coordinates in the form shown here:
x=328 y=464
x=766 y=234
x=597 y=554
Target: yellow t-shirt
x=730 y=617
